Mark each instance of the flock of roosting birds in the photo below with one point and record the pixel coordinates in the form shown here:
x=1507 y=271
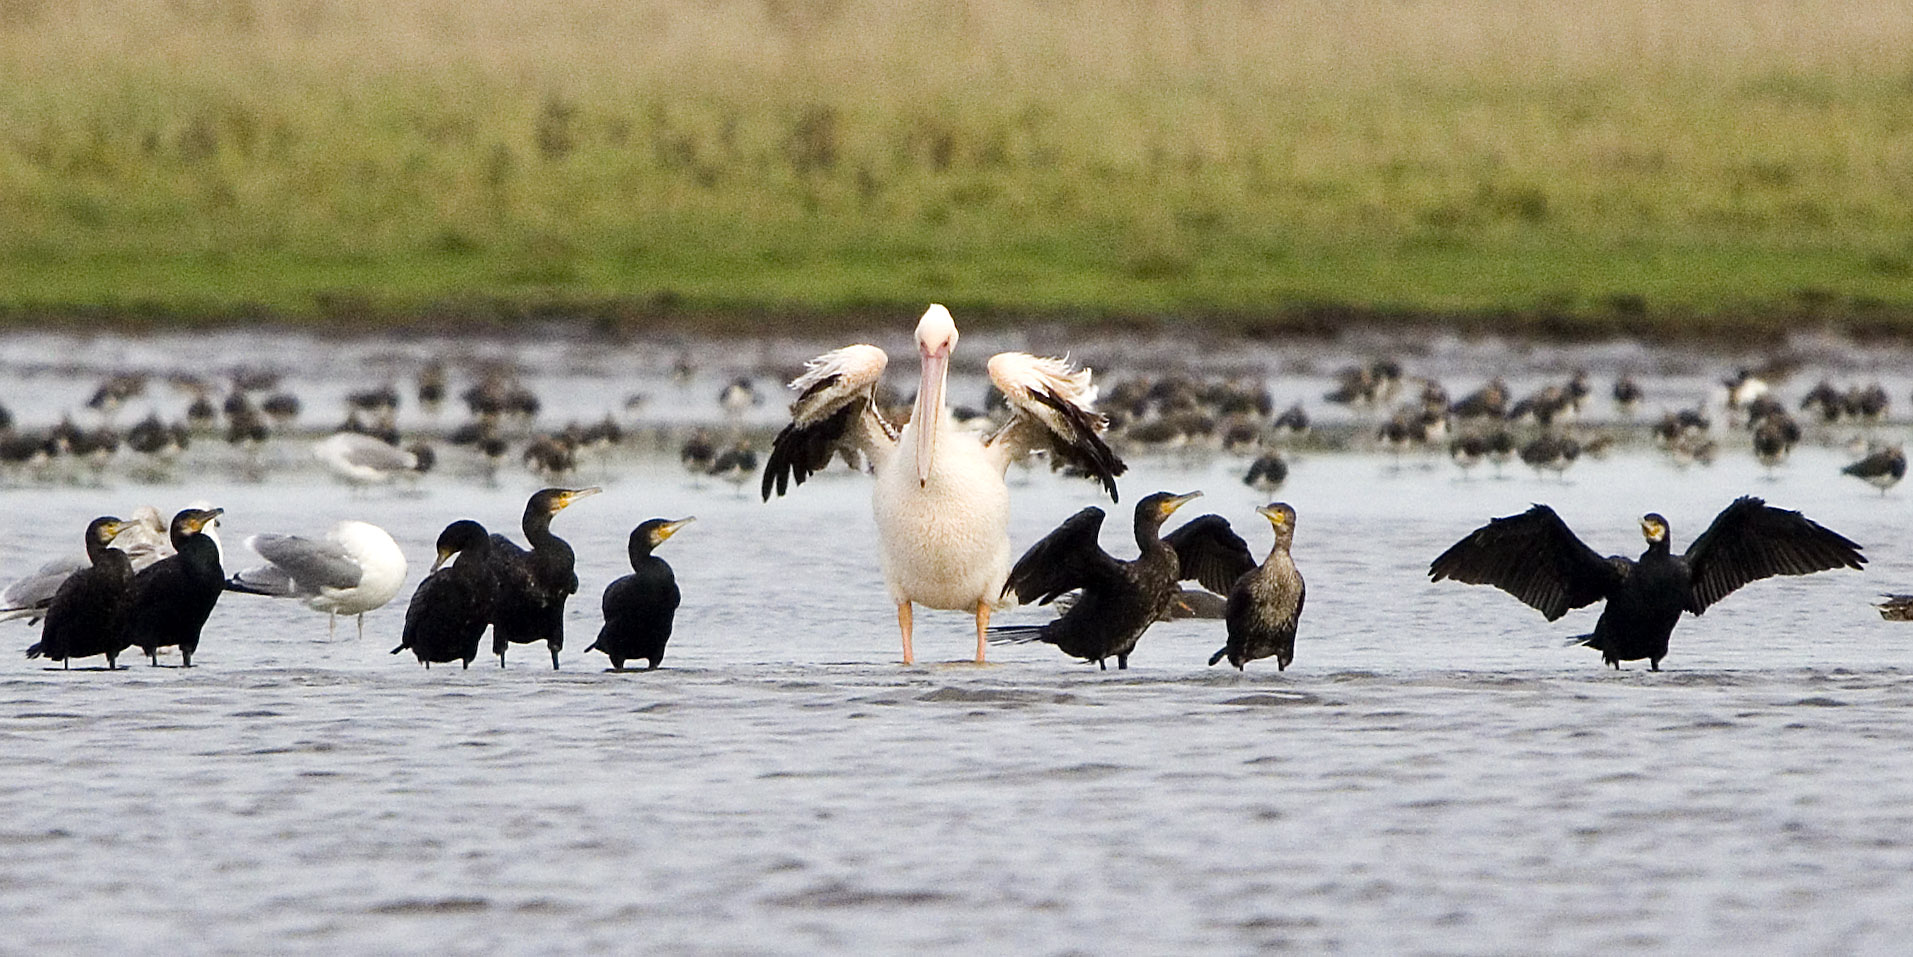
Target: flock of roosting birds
x=941 y=507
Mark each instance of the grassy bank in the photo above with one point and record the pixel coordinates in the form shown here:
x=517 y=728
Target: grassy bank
x=1614 y=163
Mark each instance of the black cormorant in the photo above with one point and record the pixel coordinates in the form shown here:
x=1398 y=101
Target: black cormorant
x=1119 y=600
x=451 y=607
x=639 y=607
x=85 y=616
x=1265 y=604
x=1534 y=557
x=172 y=597
x=533 y=585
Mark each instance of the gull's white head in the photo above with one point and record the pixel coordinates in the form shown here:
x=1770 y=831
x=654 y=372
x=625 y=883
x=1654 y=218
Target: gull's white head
x=936 y=339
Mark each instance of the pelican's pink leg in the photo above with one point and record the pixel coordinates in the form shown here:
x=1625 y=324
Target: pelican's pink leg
x=982 y=629
x=903 y=623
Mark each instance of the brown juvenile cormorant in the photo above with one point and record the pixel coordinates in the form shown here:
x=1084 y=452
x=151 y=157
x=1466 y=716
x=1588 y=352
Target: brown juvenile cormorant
x=172 y=597
x=1119 y=599
x=1266 y=602
x=1534 y=557
x=533 y=585
x=639 y=607
x=452 y=606
x=84 y=618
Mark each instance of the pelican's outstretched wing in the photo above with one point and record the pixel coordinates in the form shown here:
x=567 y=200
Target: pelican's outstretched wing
x=1534 y=557
x=1751 y=540
x=1051 y=403
x=835 y=412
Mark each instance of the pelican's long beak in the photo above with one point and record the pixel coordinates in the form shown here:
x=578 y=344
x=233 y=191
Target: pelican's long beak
x=928 y=417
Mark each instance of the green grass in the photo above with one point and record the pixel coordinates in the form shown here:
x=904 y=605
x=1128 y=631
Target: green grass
x=1623 y=166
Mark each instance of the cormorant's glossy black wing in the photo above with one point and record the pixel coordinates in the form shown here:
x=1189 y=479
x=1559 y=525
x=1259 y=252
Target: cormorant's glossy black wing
x=1211 y=552
x=511 y=568
x=1064 y=560
x=1751 y=540
x=1534 y=557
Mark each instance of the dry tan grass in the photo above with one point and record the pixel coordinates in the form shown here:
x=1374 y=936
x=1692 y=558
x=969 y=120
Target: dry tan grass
x=953 y=46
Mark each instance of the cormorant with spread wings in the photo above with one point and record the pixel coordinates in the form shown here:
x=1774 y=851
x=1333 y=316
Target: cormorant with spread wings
x=1119 y=600
x=1534 y=557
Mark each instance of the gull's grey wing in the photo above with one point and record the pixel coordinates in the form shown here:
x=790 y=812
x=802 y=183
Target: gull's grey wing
x=312 y=563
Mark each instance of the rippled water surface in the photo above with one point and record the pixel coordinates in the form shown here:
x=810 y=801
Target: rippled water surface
x=1434 y=774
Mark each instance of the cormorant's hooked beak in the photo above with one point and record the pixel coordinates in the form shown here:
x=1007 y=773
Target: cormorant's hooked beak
x=1169 y=507
x=111 y=530
x=572 y=495
x=1276 y=515
x=198 y=523
x=663 y=532
x=444 y=555
x=1652 y=530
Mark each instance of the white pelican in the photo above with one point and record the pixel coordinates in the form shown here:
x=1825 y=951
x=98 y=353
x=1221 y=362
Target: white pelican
x=356 y=568
x=942 y=508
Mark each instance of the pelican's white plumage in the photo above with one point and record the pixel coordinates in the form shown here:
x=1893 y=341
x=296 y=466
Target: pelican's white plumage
x=941 y=505
x=356 y=568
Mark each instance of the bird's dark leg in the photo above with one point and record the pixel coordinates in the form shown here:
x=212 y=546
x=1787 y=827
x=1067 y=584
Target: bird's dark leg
x=554 y=657
x=1102 y=663
x=428 y=665
x=152 y=656
x=1654 y=664
x=66 y=664
x=1122 y=662
x=361 y=626
x=185 y=658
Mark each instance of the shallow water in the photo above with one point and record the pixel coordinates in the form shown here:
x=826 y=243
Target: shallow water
x=1434 y=774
